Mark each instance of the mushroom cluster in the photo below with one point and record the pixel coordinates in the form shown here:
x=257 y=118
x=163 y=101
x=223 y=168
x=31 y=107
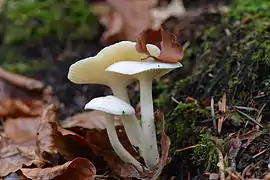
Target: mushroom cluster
x=117 y=66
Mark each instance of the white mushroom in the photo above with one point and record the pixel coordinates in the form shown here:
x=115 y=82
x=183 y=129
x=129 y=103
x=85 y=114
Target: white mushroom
x=92 y=71
x=112 y=105
x=145 y=72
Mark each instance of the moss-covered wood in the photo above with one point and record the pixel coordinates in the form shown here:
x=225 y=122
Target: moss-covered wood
x=231 y=56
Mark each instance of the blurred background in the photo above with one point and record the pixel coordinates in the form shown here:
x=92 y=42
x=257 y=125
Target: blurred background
x=41 y=38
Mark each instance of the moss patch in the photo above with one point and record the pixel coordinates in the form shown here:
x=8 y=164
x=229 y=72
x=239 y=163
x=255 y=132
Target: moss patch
x=231 y=56
x=34 y=31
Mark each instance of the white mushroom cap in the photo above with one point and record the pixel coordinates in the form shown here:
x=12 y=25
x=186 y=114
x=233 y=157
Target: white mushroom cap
x=111 y=105
x=154 y=69
x=92 y=70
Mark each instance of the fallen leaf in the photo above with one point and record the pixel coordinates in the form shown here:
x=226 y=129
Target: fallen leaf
x=161 y=14
x=126 y=23
x=48 y=136
x=21 y=81
x=171 y=50
x=14 y=157
x=249 y=136
x=54 y=142
x=14 y=108
x=15 y=86
x=88 y=120
x=222 y=109
x=113 y=23
x=99 y=142
x=120 y=168
x=21 y=130
x=79 y=169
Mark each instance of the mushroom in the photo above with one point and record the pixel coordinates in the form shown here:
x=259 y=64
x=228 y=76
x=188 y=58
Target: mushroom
x=112 y=106
x=92 y=71
x=146 y=72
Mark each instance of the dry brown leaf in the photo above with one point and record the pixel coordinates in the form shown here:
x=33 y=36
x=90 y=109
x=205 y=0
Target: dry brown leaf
x=21 y=130
x=249 y=136
x=21 y=81
x=14 y=108
x=114 y=23
x=48 y=136
x=171 y=50
x=126 y=23
x=13 y=157
x=99 y=142
x=222 y=109
x=14 y=86
x=53 y=140
x=161 y=14
x=79 y=169
x=120 y=168
x=88 y=120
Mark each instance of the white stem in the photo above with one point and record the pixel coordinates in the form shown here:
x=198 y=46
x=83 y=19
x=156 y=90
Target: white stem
x=148 y=122
x=131 y=123
x=117 y=146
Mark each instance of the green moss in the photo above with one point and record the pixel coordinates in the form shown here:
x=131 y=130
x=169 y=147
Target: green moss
x=183 y=122
x=206 y=153
x=32 y=21
x=250 y=9
x=24 y=68
x=236 y=63
x=37 y=31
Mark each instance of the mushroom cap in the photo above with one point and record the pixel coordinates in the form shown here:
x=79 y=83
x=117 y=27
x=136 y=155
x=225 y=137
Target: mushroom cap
x=91 y=70
x=153 y=69
x=111 y=105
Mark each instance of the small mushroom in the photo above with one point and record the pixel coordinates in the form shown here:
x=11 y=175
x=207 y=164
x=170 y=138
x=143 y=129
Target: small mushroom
x=92 y=70
x=146 y=72
x=112 y=106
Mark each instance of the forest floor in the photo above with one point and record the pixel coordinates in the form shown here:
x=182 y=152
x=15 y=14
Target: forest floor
x=216 y=107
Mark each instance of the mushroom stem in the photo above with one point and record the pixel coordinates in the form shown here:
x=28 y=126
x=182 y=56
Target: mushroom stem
x=148 y=123
x=131 y=123
x=117 y=146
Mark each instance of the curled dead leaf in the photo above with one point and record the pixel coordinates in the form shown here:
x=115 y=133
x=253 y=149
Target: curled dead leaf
x=21 y=81
x=54 y=142
x=17 y=87
x=99 y=142
x=14 y=108
x=171 y=50
x=126 y=23
x=79 y=169
x=15 y=157
x=21 y=130
x=88 y=120
x=48 y=136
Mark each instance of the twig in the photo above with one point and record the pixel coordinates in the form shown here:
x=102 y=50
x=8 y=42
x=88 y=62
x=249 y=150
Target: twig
x=250 y=118
x=245 y=108
x=175 y=100
x=213 y=113
x=221 y=164
x=260 y=153
x=189 y=147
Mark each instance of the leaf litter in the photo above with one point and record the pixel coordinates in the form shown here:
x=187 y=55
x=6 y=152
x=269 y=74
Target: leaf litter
x=37 y=146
